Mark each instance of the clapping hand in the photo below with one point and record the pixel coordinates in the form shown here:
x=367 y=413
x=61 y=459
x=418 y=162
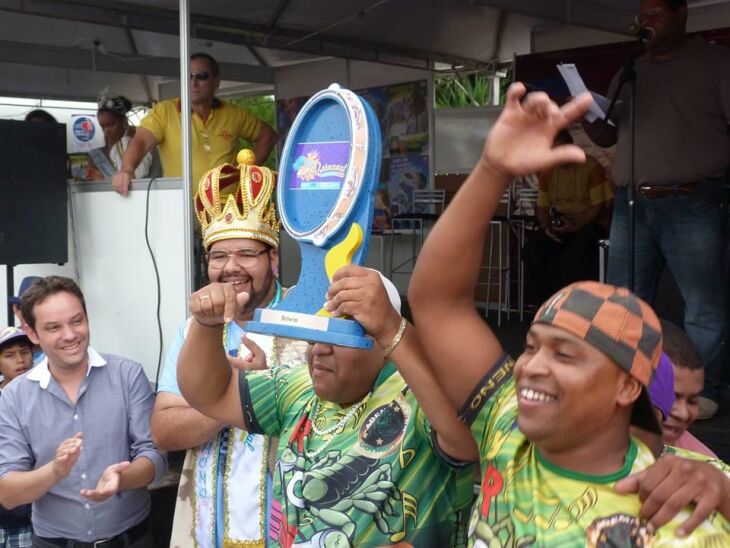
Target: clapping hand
x=109 y=483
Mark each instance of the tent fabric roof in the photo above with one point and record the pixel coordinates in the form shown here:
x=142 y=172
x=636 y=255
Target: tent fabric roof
x=74 y=48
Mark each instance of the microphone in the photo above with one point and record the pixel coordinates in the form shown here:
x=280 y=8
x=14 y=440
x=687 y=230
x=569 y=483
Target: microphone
x=643 y=34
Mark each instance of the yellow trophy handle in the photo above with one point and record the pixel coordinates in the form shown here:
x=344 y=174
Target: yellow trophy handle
x=341 y=255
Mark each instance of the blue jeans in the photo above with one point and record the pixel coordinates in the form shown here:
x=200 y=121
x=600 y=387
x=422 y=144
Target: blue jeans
x=688 y=232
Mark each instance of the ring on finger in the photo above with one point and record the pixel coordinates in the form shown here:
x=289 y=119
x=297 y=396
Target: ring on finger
x=204 y=297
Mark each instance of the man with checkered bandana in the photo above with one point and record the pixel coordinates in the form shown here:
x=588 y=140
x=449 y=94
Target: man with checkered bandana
x=558 y=465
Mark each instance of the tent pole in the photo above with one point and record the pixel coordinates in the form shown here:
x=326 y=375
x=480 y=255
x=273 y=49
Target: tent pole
x=186 y=147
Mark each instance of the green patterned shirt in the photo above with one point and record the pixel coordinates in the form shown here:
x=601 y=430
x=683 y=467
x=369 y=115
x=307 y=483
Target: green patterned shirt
x=526 y=501
x=376 y=480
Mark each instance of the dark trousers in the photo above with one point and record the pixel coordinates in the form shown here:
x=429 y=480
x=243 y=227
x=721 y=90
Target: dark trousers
x=146 y=541
x=550 y=266
x=689 y=234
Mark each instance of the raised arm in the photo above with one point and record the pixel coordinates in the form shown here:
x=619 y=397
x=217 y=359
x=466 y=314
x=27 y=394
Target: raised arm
x=459 y=344
x=358 y=292
x=206 y=379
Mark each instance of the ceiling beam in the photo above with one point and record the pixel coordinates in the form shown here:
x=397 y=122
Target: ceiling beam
x=278 y=11
x=581 y=13
x=144 y=18
x=86 y=59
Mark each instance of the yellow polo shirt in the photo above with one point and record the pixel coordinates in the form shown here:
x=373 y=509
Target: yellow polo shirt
x=214 y=141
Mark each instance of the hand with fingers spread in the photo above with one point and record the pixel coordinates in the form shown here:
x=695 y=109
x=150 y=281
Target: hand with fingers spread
x=216 y=304
x=66 y=455
x=255 y=358
x=674 y=483
x=359 y=292
x=109 y=483
x=521 y=140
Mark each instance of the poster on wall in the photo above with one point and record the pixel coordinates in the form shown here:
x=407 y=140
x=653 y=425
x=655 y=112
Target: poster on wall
x=85 y=133
x=377 y=98
x=408 y=172
x=406 y=120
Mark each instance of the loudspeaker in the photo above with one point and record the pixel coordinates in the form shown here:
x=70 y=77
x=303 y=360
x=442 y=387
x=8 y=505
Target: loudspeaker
x=33 y=193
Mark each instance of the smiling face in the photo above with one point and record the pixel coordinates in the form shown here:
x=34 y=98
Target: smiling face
x=15 y=359
x=569 y=392
x=255 y=277
x=343 y=375
x=688 y=384
x=62 y=330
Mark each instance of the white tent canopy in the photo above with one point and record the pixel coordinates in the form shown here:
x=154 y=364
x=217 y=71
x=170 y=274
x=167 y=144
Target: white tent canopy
x=72 y=49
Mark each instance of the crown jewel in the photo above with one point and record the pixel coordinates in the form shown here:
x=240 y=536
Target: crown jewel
x=235 y=202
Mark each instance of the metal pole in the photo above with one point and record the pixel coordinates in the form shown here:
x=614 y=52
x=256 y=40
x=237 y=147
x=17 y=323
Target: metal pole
x=10 y=290
x=187 y=167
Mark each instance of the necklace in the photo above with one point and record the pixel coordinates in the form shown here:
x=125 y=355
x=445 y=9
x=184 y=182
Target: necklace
x=330 y=431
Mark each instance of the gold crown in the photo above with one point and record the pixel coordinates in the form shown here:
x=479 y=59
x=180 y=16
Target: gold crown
x=235 y=202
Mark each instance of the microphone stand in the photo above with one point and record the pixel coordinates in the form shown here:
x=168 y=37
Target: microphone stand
x=628 y=76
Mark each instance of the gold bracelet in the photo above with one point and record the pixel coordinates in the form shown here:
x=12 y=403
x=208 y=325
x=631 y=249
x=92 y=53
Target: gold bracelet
x=398 y=336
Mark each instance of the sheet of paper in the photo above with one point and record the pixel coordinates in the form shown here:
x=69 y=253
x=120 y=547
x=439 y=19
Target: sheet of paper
x=576 y=86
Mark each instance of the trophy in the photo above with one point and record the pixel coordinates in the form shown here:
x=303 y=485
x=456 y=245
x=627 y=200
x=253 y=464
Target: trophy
x=328 y=177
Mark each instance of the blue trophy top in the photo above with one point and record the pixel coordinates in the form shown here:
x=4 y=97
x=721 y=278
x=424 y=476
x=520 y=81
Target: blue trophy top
x=322 y=165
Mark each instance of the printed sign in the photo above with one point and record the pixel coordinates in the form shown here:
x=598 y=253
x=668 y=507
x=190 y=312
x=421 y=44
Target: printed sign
x=319 y=166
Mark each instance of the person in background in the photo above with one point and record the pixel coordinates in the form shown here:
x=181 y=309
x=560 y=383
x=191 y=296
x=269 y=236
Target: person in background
x=682 y=156
x=40 y=115
x=573 y=204
x=689 y=378
x=25 y=283
x=217 y=126
x=112 y=117
x=16 y=357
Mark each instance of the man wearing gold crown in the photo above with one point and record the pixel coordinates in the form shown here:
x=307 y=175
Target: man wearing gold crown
x=222 y=499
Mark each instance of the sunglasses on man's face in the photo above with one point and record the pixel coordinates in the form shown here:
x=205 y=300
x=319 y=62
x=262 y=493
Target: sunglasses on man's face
x=202 y=76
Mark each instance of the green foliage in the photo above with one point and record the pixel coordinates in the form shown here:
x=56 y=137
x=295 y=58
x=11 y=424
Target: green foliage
x=467 y=90
x=264 y=108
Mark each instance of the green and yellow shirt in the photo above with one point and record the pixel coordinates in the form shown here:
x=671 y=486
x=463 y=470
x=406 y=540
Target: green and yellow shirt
x=526 y=501
x=375 y=479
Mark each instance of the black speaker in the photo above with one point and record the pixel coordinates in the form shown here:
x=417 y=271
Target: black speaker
x=33 y=193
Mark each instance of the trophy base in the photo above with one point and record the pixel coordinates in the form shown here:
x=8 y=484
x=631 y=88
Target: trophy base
x=308 y=327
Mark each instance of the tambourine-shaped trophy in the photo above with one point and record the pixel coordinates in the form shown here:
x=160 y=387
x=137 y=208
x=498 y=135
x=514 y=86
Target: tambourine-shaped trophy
x=328 y=176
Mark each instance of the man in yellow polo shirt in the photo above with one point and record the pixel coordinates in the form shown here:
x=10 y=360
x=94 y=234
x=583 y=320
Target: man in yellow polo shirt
x=216 y=128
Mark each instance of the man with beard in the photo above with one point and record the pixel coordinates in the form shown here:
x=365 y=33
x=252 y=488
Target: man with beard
x=225 y=500
x=75 y=432
x=359 y=463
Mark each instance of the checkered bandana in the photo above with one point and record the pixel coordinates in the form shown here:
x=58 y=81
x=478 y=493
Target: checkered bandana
x=611 y=319
x=619 y=324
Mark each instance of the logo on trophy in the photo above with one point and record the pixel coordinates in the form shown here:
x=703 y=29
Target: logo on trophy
x=328 y=176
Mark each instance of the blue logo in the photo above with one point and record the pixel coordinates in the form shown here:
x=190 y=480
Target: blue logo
x=84 y=129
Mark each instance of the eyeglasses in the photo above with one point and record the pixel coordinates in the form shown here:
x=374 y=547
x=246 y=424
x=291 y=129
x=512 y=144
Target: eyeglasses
x=245 y=258
x=200 y=76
